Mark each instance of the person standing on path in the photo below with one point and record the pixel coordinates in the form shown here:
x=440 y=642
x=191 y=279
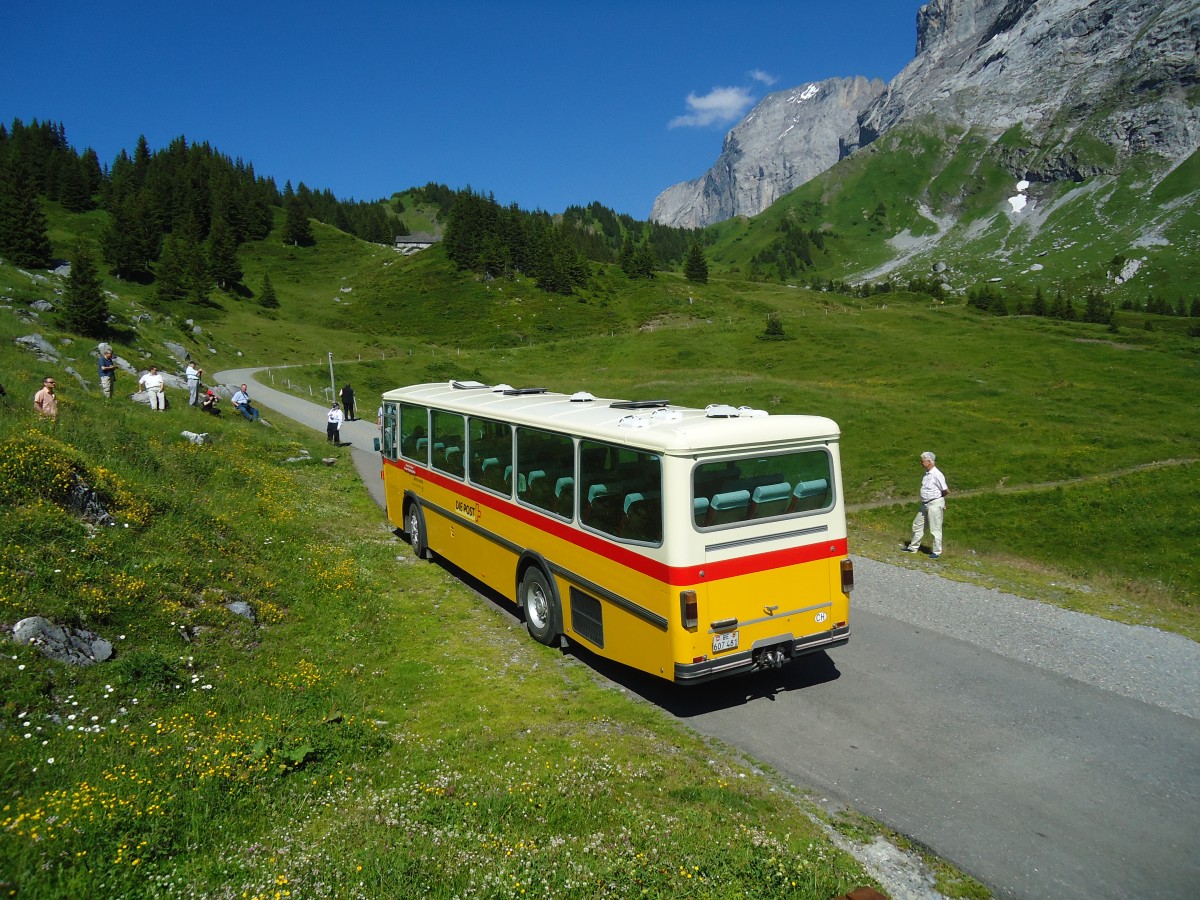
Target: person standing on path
x=152 y=383
x=45 y=401
x=108 y=372
x=933 y=507
x=333 y=426
x=348 y=402
x=193 y=373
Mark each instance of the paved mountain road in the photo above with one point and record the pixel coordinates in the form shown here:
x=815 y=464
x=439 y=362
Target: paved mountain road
x=1048 y=753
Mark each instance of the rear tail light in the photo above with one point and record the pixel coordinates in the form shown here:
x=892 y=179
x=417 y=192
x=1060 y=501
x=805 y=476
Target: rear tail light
x=689 y=612
x=847 y=575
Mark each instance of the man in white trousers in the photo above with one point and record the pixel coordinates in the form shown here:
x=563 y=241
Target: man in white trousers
x=933 y=507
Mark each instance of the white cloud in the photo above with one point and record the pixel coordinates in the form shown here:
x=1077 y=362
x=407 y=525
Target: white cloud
x=764 y=77
x=718 y=106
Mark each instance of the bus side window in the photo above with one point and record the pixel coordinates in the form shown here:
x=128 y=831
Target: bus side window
x=642 y=519
x=490 y=454
x=624 y=501
x=414 y=424
x=564 y=493
x=543 y=457
x=449 y=436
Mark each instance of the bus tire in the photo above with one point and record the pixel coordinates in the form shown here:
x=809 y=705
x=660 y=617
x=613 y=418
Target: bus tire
x=415 y=522
x=540 y=603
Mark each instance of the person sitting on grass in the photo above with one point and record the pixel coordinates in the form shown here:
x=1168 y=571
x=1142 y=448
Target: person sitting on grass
x=209 y=403
x=241 y=400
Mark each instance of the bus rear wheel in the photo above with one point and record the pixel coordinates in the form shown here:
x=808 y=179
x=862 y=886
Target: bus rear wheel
x=416 y=531
x=540 y=605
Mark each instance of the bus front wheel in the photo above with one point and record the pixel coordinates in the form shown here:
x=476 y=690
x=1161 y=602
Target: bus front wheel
x=416 y=531
x=540 y=605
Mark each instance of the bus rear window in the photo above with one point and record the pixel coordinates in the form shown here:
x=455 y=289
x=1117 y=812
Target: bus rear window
x=761 y=487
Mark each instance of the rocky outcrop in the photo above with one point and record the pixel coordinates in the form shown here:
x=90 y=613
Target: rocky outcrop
x=787 y=139
x=1083 y=84
x=1118 y=70
x=74 y=646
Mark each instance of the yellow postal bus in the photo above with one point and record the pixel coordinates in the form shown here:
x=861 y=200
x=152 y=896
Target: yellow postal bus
x=688 y=543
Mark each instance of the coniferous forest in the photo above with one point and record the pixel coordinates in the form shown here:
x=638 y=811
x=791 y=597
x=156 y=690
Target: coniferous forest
x=177 y=216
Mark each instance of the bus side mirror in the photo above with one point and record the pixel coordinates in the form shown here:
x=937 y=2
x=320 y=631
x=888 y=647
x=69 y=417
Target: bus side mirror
x=376 y=445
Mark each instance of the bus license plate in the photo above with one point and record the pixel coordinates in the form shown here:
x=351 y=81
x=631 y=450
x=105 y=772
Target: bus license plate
x=722 y=642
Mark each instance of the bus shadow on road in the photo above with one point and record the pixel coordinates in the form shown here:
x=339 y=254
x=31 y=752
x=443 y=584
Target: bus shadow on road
x=686 y=701
x=682 y=701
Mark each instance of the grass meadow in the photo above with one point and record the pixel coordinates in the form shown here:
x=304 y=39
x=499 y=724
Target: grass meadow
x=1073 y=453
x=378 y=731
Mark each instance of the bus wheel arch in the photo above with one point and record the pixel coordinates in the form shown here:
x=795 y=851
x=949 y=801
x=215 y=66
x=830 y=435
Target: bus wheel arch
x=414 y=526
x=537 y=596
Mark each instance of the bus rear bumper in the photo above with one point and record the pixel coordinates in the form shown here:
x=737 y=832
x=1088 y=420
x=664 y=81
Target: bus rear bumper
x=755 y=659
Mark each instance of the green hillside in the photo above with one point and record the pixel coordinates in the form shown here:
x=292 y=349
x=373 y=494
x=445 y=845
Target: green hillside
x=317 y=747
x=922 y=195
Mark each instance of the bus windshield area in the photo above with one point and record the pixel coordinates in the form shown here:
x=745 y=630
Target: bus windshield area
x=761 y=487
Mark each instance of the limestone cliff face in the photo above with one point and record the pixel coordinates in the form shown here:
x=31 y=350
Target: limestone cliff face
x=1119 y=70
x=788 y=138
x=1118 y=73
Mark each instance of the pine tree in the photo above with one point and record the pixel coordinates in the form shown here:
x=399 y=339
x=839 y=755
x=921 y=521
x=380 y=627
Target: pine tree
x=24 y=240
x=129 y=242
x=266 y=296
x=696 y=267
x=644 y=262
x=626 y=256
x=223 y=265
x=1039 y=302
x=84 y=308
x=195 y=267
x=296 y=228
x=170 y=274
x=73 y=189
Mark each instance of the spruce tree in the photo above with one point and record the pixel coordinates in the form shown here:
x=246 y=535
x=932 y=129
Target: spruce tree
x=266 y=296
x=626 y=256
x=644 y=261
x=170 y=273
x=696 y=267
x=1039 y=302
x=296 y=228
x=24 y=240
x=223 y=263
x=84 y=308
x=195 y=267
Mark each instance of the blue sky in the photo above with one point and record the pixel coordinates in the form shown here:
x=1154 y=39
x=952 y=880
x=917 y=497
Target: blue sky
x=544 y=104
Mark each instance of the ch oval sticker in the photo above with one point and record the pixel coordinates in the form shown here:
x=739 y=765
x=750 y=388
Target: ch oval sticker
x=821 y=616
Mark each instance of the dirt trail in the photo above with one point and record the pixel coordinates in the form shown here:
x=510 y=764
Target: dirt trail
x=1025 y=488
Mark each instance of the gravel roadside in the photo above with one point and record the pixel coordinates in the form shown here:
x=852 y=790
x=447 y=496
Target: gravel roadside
x=1134 y=661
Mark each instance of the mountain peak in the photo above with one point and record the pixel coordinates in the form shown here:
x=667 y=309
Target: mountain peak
x=786 y=139
x=1115 y=73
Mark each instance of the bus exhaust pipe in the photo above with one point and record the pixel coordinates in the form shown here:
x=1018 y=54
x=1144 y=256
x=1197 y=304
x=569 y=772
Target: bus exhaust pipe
x=770 y=658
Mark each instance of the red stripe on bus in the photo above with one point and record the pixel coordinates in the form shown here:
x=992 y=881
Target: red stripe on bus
x=673 y=575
